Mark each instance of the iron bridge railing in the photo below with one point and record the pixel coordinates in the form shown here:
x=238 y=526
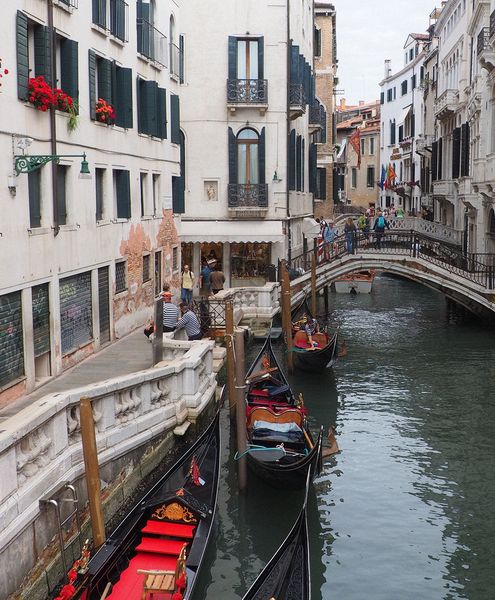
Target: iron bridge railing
x=477 y=268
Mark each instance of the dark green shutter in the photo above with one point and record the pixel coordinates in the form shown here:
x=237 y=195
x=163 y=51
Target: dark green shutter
x=261 y=157
x=22 y=55
x=294 y=64
x=292 y=160
x=232 y=157
x=69 y=67
x=159 y=125
x=298 y=163
x=123 y=97
x=178 y=195
x=117 y=19
x=181 y=58
x=303 y=159
x=61 y=195
x=312 y=168
x=148 y=96
x=123 y=189
x=34 y=190
x=261 y=57
x=105 y=79
x=42 y=53
x=100 y=13
x=413 y=124
x=439 y=159
x=232 y=57
x=465 y=141
x=175 y=119
x=433 y=164
x=456 y=152
x=92 y=84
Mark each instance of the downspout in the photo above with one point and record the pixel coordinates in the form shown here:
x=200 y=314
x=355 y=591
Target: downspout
x=53 y=124
x=287 y=137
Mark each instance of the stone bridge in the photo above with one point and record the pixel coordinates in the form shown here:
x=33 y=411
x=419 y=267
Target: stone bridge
x=468 y=279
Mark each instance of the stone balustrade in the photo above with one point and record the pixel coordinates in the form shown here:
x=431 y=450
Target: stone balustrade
x=40 y=447
x=440 y=232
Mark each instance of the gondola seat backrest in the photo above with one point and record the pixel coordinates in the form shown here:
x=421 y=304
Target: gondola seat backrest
x=291 y=415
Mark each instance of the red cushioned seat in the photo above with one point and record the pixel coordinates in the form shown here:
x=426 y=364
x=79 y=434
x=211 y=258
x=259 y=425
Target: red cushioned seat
x=159 y=546
x=177 y=530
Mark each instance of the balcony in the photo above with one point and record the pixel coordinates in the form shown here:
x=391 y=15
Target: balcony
x=297 y=100
x=446 y=104
x=151 y=43
x=424 y=144
x=485 y=53
x=247 y=93
x=176 y=62
x=248 y=200
x=492 y=25
x=443 y=188
x=317 y=118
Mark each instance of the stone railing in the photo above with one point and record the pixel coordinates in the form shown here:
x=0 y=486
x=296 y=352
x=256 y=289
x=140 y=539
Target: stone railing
x=40 y=447
x=437 y=231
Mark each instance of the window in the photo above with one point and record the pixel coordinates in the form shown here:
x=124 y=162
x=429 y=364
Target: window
x=152 y=109
x=247 y=157
x=100 y=191
x=321 y=183
x=143 y=184
x=382 y=97
x=122 y=189
x=354 y=177
x=175 y=258
x=370 y=177
x=389 y=95
x=146 y=268
x=394 y=91
x=363 y=146
x=112 y=15
x=401 y=133
x=61 y=194
x=156 y=192
x=317 y=42
x=392 y=132
x=404 y=87
x=372 y=145
x=34 y=188
x=120 y=276
x=174 y=119
x=246 y=58
x=413 y=81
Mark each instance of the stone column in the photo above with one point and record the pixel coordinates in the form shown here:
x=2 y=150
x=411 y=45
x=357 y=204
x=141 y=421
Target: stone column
x=196 y=265
x=226 y=266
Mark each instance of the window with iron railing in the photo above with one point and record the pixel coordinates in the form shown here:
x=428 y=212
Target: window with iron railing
x=151 y=43
x=120 y=276
x=113 y=17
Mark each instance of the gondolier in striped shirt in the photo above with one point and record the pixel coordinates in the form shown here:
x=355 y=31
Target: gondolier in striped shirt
x=171 y=312
x=189 y=322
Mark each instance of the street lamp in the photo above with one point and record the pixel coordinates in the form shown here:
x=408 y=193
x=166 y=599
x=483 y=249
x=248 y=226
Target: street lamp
x=28 y=163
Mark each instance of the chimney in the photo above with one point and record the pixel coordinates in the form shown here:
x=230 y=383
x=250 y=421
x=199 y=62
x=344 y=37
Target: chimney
x=342 y=104
x=361 y=103
x=388 y=67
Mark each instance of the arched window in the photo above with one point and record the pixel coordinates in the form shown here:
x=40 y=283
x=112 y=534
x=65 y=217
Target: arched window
x=247 y=156
x=171 y=39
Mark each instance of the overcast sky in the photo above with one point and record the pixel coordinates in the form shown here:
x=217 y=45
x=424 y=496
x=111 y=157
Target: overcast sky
x=368 y=32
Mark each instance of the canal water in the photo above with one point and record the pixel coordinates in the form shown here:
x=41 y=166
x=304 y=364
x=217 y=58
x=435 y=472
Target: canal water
x=405 y=511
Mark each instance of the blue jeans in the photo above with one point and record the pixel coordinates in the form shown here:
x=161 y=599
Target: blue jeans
x=349 y=240
x=186 y=295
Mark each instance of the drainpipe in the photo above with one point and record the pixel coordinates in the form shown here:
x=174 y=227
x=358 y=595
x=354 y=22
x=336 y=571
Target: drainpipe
x=287 y=136
x=53 y=124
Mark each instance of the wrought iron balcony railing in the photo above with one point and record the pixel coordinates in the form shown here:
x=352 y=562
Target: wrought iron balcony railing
x=297 y=96
x=248 y=195
x=151 y=42
x=492 y=24
x=68 y=3
x=483 y=39
x=176 y=61
x=247 y=91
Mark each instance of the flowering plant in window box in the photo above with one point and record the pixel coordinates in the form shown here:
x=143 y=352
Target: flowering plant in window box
x=105 y=112
x=40 y=94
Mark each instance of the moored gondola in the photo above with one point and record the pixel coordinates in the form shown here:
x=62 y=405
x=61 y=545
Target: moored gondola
x=287 y=576
x=308 y=357
x=159 y=546
x=280 y=447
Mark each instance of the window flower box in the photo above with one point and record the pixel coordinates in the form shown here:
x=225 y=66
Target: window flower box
x=105 y=112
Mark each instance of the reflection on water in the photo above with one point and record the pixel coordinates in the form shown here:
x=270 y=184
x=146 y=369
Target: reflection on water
x=404 y=512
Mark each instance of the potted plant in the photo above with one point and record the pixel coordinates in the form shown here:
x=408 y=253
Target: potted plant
x=40 y=94
x=105 y=112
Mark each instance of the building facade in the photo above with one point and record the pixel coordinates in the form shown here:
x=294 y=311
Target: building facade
x=250 y=166
x=84 y=84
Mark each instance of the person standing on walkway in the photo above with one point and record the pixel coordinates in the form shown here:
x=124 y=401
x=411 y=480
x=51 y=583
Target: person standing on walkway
x=187 y=284
x=204 y=280
x=328 y=235
x=217 y=279
x=379 y=228
x=189 y=322
x=350 y=235
x=171 y=313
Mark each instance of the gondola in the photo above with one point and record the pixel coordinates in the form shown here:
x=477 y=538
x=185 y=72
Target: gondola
x=310 y=359
x=287 y=576
x=280 y=447
x=159 y=546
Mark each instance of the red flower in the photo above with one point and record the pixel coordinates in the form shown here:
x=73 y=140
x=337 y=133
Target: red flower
x=6 y=71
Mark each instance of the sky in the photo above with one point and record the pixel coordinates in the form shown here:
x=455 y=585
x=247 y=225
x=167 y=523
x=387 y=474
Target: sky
x=368 y=32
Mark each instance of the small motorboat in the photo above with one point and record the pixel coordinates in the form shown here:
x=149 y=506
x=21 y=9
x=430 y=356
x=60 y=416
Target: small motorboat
x=355 y=283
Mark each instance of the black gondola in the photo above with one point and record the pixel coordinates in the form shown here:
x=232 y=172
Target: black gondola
x=287 y=576
x=160 y=544
x=313 y=359
x=281 y=448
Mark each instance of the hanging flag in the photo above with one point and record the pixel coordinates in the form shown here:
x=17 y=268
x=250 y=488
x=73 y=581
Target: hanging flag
x=383 y=178
x=355 y=141
x=391 y=175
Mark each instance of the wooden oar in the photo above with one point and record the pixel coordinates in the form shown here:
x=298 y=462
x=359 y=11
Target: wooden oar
x=106 y=590
x=308 y=439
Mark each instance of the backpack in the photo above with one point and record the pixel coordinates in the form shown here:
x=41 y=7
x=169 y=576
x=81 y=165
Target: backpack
x=381 y=222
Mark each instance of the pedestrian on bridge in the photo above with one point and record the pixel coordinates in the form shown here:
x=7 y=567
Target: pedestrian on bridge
x=350 y=235
x=379 y=227
x=328 y=234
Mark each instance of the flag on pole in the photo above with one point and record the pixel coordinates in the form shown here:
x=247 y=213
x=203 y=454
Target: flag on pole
x=355 y=141
x=383 y=178
x=390 y=175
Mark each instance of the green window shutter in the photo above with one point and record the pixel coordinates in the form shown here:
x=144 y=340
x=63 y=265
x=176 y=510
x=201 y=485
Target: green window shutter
x=105 y=79
x=232 y=57
x=232 y=157
x=92 y=84
x=178 y=205
x=161 y=113
x=261 y=157
x=100 y=13
x=292 y=160
x=174 y=119
x=298 y=162
x=123 y=192
x=61 y=195
x=34 y=190
x=123 y=98
x=22 y=55
x=261 y=58
x=69 y=67
x=181 y=58
x=148 y=96
x=42 y=53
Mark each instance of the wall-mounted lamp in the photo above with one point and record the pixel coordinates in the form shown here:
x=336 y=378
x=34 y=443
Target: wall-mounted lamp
x=12 y=185
x=27 y=164
x=276 y=178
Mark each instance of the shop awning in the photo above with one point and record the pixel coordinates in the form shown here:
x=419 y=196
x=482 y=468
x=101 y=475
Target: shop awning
x=405 y=113
x=231 y=231
x=311 y=227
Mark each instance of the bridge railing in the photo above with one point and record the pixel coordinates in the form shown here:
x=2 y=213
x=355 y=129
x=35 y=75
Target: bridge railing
x=478 y=268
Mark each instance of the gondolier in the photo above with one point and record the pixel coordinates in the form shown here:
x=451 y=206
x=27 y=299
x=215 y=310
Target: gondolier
x=189 y=322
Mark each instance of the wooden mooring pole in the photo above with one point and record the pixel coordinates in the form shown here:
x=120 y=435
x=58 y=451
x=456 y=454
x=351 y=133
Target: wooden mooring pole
x=229 y=344
x=240 y=381
x=90 y=453
x=313 y=284
x=286 y=315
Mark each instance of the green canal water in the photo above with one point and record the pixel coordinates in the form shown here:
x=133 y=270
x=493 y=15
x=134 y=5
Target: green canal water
x=406 y=510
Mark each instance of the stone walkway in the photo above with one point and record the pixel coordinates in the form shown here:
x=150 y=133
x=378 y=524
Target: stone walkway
x=130 y=354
